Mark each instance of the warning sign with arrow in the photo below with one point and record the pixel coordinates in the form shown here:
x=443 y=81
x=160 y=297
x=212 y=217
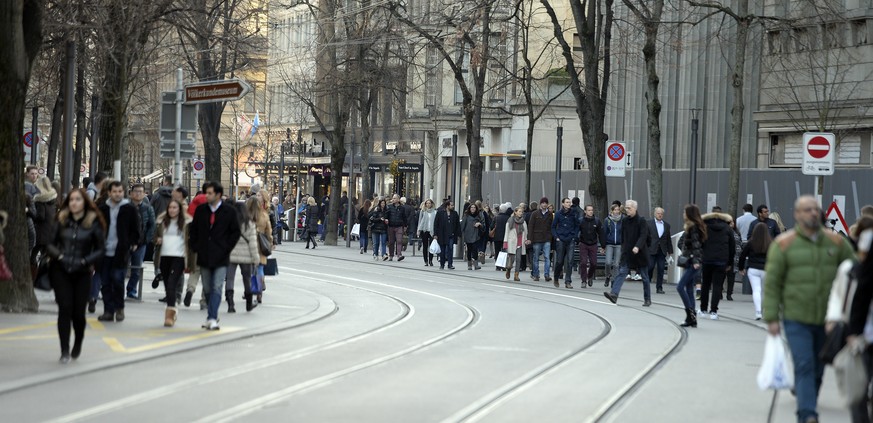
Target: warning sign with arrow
x=835 y=219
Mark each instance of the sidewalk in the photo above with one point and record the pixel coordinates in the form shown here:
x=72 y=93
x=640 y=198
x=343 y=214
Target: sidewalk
x=29 y=347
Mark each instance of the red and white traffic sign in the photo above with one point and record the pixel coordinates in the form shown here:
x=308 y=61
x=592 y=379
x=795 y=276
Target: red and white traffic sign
x=198 y=166
x=818 y=153
x=835 y=219
x=615 y=163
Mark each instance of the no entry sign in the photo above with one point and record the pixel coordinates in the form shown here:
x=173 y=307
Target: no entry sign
x=615 y=163
x=818 y=153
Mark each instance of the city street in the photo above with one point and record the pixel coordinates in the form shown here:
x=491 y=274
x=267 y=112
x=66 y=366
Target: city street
x=341 y=337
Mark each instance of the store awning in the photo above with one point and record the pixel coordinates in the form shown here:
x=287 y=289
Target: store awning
x=154 y=175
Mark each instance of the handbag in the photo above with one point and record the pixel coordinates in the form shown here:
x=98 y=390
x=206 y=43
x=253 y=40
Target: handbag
x=265 y=247
x=255 y=284
x=683 y=261
x=43 y=280
x=5 y=272
x=834 y=342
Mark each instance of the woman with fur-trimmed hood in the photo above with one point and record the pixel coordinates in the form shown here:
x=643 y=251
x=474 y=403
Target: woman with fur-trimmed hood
x=78 y=244
x=718 y=260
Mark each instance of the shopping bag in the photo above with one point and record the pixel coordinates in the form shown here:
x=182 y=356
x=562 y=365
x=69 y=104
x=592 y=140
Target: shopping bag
x=775 y=371
x=356 y=230
x=256 y=284
x=851 y=373
x=434 y=247
x=501 y=259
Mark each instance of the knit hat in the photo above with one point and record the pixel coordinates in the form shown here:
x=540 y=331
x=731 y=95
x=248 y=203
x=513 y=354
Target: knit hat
x=503 y=208
x=255 y=188
x=544 y=200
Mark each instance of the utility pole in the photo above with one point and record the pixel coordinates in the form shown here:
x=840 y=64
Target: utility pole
x=177 y=173
x=694 y=126
x=69 y=86
x=352 y=191
x=454 y=167
x=560 y=146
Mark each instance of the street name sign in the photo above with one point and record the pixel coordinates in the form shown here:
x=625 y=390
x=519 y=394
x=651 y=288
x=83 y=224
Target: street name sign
x=216 y=91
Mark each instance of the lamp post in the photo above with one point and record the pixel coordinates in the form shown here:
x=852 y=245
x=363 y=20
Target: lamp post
x=560 y=141
x=352 y=191
x=694 y=125
x=454 y=167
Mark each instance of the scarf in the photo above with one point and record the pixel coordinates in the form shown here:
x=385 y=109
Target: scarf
x=518 y=220
x=615 y=218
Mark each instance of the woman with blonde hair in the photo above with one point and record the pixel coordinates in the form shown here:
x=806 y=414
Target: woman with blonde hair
x=311 y=227
x=778 y=219
x=262 y=227
x=426 y=218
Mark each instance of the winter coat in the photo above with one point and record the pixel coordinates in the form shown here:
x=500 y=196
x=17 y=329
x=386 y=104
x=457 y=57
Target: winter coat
x=263 y=227
x=214 y=242
x=79 y=242
x=426 y=220
x=246 y=249
x=591 y=231
x=377 y=218
x=396 y=215
x=800 y=272
x=635 y=233
x=718 y=249
x=44 y=219
x=469 y=230
x=312 y=218
x=691 y=243
x=500 y=224
x=772 y=227
x=565 y=225
x=159 y=233
x=540 y=227
x=161 y=199
x=446 y=225
x=147 y=220
x=612 y=231
x=128 y=230
x=363 y=220
x=510 y=238
x=752 y=259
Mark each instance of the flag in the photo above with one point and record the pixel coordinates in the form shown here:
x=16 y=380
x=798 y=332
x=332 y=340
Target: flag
x=255 y=124
x=244 y=126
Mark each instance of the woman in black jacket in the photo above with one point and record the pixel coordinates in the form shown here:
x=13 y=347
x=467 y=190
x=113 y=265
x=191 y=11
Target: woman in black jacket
x=718 y=260
x=754 y=255
x=692 y=252
x=363 y=222
x=311 y=222
x=77 y=246
x=379 y=228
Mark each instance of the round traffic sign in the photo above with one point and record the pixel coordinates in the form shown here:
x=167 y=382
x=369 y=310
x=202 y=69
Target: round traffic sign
x=28 y=139
x=615 y=152
x=198 y=165
x=818 y=147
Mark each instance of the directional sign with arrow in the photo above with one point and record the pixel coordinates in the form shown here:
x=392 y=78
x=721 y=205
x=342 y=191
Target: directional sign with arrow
x=216 y=91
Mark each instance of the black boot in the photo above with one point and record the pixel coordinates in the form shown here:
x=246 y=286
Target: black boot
x=228 y=295
x=250 y=305
x=690 y=319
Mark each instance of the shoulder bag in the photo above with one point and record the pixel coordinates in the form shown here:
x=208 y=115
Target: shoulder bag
x=265 y=247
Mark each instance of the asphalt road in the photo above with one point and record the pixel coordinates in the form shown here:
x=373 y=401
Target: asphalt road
x=341 y=337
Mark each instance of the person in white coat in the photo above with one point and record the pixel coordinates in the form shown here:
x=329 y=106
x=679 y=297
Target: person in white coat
x=426 y=218
x=515 y=241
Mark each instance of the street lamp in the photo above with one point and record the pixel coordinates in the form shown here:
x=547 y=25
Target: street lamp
x=694 y=125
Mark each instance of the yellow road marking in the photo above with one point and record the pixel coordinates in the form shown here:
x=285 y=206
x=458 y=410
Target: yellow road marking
x=96 y=324
x=26 y=327
x=116 y=346
x=27 y=337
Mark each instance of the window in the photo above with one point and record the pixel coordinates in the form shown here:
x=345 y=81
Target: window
x=774 y=42
x=800 y=39
x=860 y=33
x=834 y=35
x=577 y=43
x=498 y=49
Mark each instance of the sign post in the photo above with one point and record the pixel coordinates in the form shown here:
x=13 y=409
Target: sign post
x=615 y=159
x=818 y=156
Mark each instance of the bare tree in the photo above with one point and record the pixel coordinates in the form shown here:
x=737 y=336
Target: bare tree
x=593 y=19
x=21 y=38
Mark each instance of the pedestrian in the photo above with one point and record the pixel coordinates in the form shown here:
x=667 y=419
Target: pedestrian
x=147 y=229
x=753 y=258
x=363 y=226
x=171 y=249
x=278 y=213
x=487 y=219
x=504 y=213
x=744 y=221
x=396 y=215
x=426 y=218
x=528 y=208
x=540 y=236
x=718 y=258
x=261 y=219
x=76 y=247
x=162 y=196
x=379 y=228
x=801 y=265
x=731 y=276
x=634 y=253
x=472 y=228
x=245 y=256
x=660 y=247
x=311 y=223
x=855 y=309
x=764 y=217
x=591 y=242
x=214 y=233
x=45 y=208
x=612 y=236
x=514 y=241
x=446 y=229
x=565 y=229
x=96 y=187
x=411 y=227
x=194 y=277
x=691 y=244
x=778 y=219
x=122 y=236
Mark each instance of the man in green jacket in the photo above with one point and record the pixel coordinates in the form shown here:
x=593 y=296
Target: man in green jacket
x=801 y=266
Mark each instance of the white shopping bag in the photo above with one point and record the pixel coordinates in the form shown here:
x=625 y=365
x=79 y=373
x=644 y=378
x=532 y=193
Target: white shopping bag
x=501 y=259
x=356 y=230
x=851 y=373
x=434 y=247
x=776 y=371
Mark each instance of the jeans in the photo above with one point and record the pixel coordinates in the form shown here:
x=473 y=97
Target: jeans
x=379 y=239
x=713 y=277
x=395 y=241
x=136 y=268
x=173 y=269
x=71 y=294
x=564 y=259
x=113 y=286
x=213 y=279
x=425 y=241
x=612 y=260
x=544 y=248
x=363 y=238
x=618 y=281
x=656 y=268
x=587 y=261
x=245 y=269
x=756 y=278
x=447 y=247
x=805 y=341
x=686 y=287
x=96 y=284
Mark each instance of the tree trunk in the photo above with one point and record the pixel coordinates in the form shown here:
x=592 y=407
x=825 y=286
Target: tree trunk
x=57 y=126
x=737 y=113
x=21 y=37
x=650 y=52
x=81 y=128
x=209 y=119
x=337 y=158
x=366 y=136
x=112 y=112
